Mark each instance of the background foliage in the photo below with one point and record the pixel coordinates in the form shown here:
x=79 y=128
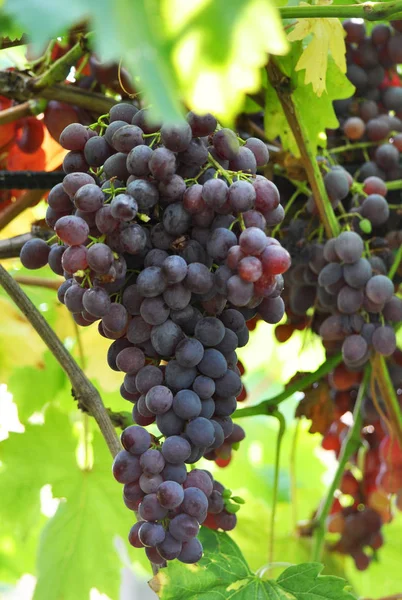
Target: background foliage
x=61 y=511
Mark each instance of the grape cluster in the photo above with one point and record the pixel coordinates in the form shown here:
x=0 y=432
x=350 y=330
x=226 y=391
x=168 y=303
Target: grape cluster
x=374 y=113
x=356 y=297
x=171 y=503
x=160 y=233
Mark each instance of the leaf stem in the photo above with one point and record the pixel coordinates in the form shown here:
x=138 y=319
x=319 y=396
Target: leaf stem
x=266 y=407
x=281 y=432
x=292 y=473
x=349 y=446
x=86 y=394
x=389 y=397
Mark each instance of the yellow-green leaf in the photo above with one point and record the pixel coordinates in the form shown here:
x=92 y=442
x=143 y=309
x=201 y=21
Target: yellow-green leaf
x=327 y=36
x=218 y=53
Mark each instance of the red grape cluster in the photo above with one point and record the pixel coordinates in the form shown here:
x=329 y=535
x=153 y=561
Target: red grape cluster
x=374 y=113
x=160 y=233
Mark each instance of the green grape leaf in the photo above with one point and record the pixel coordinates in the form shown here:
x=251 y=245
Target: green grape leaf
x=305 y=582
x=316 y=113
x=9 y=30
x=34 y=387
x=218 y=53
x=224 y=574
x=76 y=551
x=198 y=52
x=42 y=454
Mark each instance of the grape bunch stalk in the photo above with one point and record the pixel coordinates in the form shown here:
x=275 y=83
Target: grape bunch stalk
x=161 y=233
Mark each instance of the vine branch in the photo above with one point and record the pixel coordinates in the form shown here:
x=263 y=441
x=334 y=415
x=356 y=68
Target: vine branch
x=21 y=87
x=14 y=113
x=267 y=407
x=86 y=393
x=26 y=200
x=43 y=282
x=370 y=11
x=60 y=68
x=281 y=85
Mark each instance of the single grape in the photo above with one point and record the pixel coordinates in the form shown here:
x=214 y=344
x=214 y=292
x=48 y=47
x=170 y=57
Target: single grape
x=170 y=494
x=35 y=253
x=184 y=527
x=176 y=449
x=72 y=230
x=159 y=399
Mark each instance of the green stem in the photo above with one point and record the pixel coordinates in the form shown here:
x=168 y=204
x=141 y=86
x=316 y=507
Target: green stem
x=394 y=185
x=370 y=11
x=349 y=447
x=281 y=432
x=387 y=390
x=219 y=168
x=267 y=406
x=288 y=206
x=283 y=88
x=348 y=147
x=292 y=474
x=59 y=70
x=396 y=263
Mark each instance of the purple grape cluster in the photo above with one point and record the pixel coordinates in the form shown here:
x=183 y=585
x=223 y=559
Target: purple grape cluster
x=171 y=502
x=352 y=289
x=161 y=233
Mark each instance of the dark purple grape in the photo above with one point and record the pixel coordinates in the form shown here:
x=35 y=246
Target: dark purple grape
x=170 y=494
x=35 y=253
x=126 y=467
x=384 y=340
x=183 y=527
x=158 y=399
x=226 y=143
x=170 y=548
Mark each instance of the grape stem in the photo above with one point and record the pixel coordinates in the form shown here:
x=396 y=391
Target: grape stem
x=394 y=185
x=267 y=407
x=282 y=87
x=396 y=263
x=84 y=392
x=349 y=447
x=219 y=168
x=281 y=432
x=358 y=146
x=370 y=11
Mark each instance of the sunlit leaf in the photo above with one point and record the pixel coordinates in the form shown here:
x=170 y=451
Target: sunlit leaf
x=224 y=574
x=327 y=35
x=218 y=52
